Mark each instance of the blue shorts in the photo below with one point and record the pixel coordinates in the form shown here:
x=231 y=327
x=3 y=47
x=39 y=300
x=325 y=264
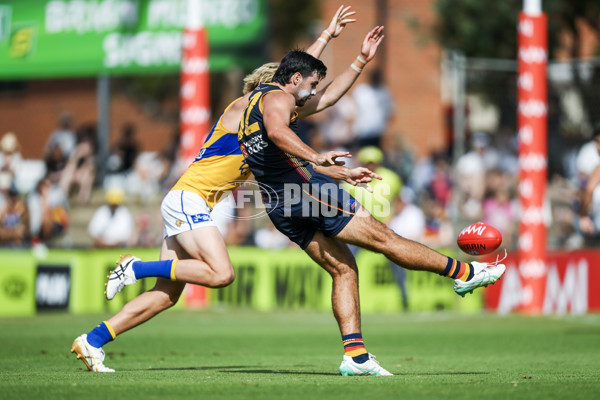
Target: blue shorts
x=319 y=205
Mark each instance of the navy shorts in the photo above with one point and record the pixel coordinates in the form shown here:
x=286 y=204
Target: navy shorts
x=319 y=205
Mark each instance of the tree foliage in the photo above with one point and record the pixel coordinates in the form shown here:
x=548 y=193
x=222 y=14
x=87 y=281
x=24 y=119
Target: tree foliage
x=488 y=28
x=291 y=20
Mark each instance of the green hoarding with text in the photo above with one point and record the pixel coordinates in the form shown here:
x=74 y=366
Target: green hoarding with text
x=68 y=38
x=265 y=280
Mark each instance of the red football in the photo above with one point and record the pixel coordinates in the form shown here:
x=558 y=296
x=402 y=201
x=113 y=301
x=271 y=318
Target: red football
x=478 y=239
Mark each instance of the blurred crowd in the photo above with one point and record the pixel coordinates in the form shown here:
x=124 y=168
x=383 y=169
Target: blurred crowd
x=39 y=197
x=427 y=198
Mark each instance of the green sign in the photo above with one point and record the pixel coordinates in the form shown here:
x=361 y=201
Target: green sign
x=265 y=280
x=289 y=279
x=66 y=38
x=17 y=284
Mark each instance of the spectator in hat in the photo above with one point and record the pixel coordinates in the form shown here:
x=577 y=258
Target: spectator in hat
x=10 y=156
x=112 y=223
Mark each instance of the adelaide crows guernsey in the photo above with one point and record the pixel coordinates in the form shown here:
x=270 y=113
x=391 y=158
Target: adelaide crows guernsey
x=219 y=167
x=269 y=164
x=311 y=201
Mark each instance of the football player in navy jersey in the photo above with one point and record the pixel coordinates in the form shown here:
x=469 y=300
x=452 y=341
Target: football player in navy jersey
x=314 y=212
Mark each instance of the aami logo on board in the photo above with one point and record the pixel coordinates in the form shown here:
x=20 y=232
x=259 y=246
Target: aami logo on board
x=566 y=289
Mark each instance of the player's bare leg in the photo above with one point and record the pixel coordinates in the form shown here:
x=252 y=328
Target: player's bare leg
x=196 y=251
x=205 y=244
x=145 y=306
x=366 y=232
x=165 y=293
x=335 y=257
x=162 y=296
x=208 y=263
x=203 y=261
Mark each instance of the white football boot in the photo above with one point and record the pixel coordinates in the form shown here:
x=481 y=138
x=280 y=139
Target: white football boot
x=92 y=357
x=483 y=275
x=370 y=367
x=122 y=276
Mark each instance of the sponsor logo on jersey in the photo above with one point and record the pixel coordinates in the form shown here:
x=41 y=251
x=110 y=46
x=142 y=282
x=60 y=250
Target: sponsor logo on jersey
x=196 y=219
x=253 y=145
x=201 y=153
x=244 y=169
x=243 y=149
x=352 y=204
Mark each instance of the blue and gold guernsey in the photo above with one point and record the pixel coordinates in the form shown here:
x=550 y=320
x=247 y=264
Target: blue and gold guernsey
x=298 y=200
x=269 y=164
x=219 y=167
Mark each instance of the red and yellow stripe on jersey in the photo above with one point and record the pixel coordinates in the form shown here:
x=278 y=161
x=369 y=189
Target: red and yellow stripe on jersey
x=219 y=167
x=271 y=165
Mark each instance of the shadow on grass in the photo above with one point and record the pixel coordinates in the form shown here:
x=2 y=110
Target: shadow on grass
x=238 y=369
x=292 y=372
x=203 y=368
x=440 y=373
x=244 y=369
x=284 y=372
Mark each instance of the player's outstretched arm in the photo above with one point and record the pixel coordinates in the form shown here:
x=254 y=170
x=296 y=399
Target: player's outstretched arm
x=340 y=85
x=277 y=109
x=339 y=21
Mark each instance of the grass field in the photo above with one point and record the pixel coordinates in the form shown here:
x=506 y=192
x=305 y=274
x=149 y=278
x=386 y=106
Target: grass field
x=248 y=355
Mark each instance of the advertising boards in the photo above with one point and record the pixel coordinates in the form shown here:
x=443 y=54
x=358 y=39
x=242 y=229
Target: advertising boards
x=568 y=285
x=265 y=280
x=83 y=38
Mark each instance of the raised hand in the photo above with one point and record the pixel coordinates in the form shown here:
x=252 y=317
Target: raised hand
x=371 y=43
x=339 y=21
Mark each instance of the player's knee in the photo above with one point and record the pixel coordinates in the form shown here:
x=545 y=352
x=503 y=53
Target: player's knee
x=379 y=237
x=224 y=278
x=342 y=270
x=378 y=233
x=169 y=292
x=171 y=300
